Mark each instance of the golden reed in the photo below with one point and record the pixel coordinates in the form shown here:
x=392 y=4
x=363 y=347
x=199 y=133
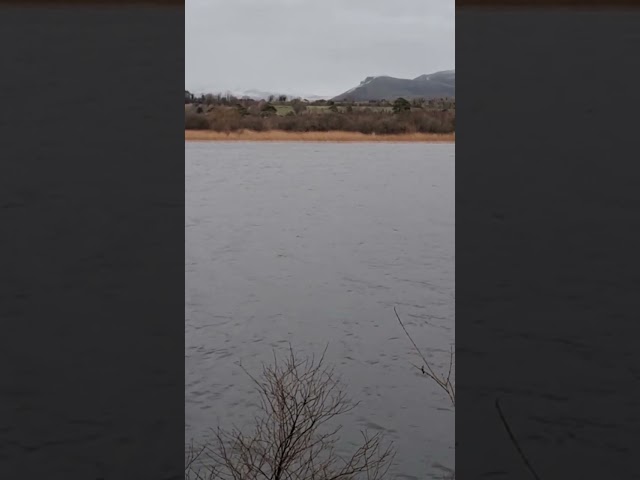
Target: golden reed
x=332 y=136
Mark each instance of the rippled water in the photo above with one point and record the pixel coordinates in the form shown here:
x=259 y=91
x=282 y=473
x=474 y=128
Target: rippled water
x=314 y=244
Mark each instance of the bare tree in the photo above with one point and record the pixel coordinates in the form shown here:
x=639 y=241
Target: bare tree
x=298 y=106
x=294 y=437
x=443 y=382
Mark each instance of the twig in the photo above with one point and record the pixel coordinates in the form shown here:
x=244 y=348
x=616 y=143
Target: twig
x=193 y=456
x=444 y=383
x=514 y=441
x=293 y=438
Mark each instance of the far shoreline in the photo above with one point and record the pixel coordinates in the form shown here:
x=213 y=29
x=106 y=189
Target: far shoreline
x=330 y=136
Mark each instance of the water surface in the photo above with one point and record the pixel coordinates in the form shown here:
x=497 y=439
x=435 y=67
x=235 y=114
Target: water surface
x=314 y=244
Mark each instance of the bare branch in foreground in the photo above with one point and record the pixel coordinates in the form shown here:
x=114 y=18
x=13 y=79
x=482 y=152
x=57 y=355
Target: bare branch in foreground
x=443 y=382
x=295 y=436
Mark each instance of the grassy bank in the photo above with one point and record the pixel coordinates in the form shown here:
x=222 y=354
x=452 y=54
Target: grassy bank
x=330 y=136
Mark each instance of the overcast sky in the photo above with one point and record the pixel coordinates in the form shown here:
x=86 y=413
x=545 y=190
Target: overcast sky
x=313 y=47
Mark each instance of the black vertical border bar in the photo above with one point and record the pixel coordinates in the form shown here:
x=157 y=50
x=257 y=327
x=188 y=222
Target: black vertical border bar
x=92 y=218
x=547 y=230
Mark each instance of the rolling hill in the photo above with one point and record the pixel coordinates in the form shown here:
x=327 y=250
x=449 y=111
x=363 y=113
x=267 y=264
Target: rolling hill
x=438 y=84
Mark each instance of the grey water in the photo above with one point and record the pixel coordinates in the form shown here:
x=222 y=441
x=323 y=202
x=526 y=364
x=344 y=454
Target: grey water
x=314 y=244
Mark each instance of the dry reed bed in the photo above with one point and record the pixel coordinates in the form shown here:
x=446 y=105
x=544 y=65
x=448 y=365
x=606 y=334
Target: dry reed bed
x=332 y=136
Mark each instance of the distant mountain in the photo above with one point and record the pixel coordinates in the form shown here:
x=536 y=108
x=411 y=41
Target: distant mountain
x=438 y=84
x=256 y=94
x=263 y=95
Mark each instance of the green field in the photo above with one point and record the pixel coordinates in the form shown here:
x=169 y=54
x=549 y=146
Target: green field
x=282 y=110
x=317 y=108
x=325 y=108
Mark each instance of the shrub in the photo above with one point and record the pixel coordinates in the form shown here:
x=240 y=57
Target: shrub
x=263 y=116
x=294 y=434
x=401 y=105
x=195 y=121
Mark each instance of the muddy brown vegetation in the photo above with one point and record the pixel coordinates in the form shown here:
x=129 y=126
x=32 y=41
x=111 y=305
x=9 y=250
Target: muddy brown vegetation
x=400 y=116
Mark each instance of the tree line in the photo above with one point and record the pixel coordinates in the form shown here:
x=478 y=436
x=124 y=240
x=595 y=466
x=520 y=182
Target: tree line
x=227 y=113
